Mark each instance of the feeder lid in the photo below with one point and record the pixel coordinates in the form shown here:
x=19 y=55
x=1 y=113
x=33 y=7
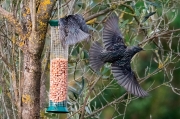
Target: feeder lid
x=53 y=22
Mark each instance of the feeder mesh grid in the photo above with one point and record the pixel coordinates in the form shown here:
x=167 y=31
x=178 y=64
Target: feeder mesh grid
x=57 y=51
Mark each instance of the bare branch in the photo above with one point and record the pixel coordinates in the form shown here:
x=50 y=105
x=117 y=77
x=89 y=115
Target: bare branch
x=12 y=20
x=86 y=99
x=99 y=13
x=72 y=3
x=157 y=35
x=6 y=62
x=33 y=15
x=113 y=102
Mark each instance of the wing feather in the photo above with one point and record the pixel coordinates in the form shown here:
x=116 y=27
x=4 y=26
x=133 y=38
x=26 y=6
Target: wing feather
x=62 y=27
x=74 y=38
x=94 y=56
x=72 y=29
x=111 y=32
x=126 y=78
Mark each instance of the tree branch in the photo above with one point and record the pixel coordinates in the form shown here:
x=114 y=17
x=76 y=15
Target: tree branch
x=131 y=9
x=86 y=99
x=157 y=35
x=111 y=103
x=45 y=8
x=82 y=108
x=33 y=15
x=72 y=7
x=99 y=13
x=10 y=67
x=12 y=20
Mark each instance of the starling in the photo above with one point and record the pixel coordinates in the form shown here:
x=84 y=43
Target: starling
x=118 y=54
x=72 y=29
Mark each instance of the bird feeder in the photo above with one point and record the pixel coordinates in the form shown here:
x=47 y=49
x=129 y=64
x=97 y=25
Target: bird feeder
x=58 y=72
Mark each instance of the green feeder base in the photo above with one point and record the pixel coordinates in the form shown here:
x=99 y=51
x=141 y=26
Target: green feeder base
x=53 y=109
x=59 y=107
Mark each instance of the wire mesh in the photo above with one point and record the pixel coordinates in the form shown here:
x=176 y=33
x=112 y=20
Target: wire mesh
x=57 y=50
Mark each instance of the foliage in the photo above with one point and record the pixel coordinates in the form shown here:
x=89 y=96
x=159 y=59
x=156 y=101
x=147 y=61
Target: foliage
x=96 y=94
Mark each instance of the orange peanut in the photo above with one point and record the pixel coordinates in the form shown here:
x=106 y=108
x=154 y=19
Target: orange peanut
x=58 y=80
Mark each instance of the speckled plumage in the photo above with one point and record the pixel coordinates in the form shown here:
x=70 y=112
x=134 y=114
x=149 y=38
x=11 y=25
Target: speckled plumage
x=117 y=53
x=72 y=29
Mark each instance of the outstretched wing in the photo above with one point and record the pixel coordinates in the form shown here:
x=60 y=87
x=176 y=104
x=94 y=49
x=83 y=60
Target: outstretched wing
x=126 y=78
x=111 y=32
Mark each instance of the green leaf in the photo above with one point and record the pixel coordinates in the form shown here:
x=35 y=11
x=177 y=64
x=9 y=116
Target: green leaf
x=86 y=56
x=124 y=23
x=153 y=4
x=72 y=89
x=82 y=55
x=81 y=4
x=87 y=110
x=137 y=12
x=147 y=16
x=105 y=70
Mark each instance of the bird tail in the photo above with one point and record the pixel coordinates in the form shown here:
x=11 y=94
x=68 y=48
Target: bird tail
x=74 y=38
x=94 y=56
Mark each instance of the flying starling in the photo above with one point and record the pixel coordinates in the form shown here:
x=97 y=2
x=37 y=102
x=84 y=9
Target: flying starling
x=72 y=29
x=118 y=54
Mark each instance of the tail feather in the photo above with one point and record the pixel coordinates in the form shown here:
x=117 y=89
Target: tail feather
x=94 y=53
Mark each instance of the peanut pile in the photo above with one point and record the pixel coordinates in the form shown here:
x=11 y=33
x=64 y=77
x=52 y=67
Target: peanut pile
x=58 y=80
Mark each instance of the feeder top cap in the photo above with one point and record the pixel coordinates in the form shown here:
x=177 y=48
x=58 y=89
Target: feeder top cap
x=53 y=22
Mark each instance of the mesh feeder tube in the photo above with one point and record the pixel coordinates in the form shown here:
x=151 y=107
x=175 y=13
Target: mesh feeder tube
x=58 y=72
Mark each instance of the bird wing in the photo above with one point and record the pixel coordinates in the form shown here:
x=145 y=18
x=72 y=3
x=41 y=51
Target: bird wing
x=94 y=56
x=81 y=22
x=111 y=32
x=127 y=79
x=75 y=34
x=62 y=28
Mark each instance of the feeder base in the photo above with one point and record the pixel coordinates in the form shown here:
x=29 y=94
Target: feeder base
x=54 y=109
x=59 y=107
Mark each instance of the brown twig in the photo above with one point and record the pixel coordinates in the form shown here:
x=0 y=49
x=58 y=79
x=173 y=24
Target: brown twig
x=72 y=7
x=12 y=20
x=33 y=15
x=157 y=35
x=135 y=17
x=99 y=13
x=113 y=102
x=65 y=4
x=91 y=8
x=85 y=101
x=6 y=62
x=131 y=9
